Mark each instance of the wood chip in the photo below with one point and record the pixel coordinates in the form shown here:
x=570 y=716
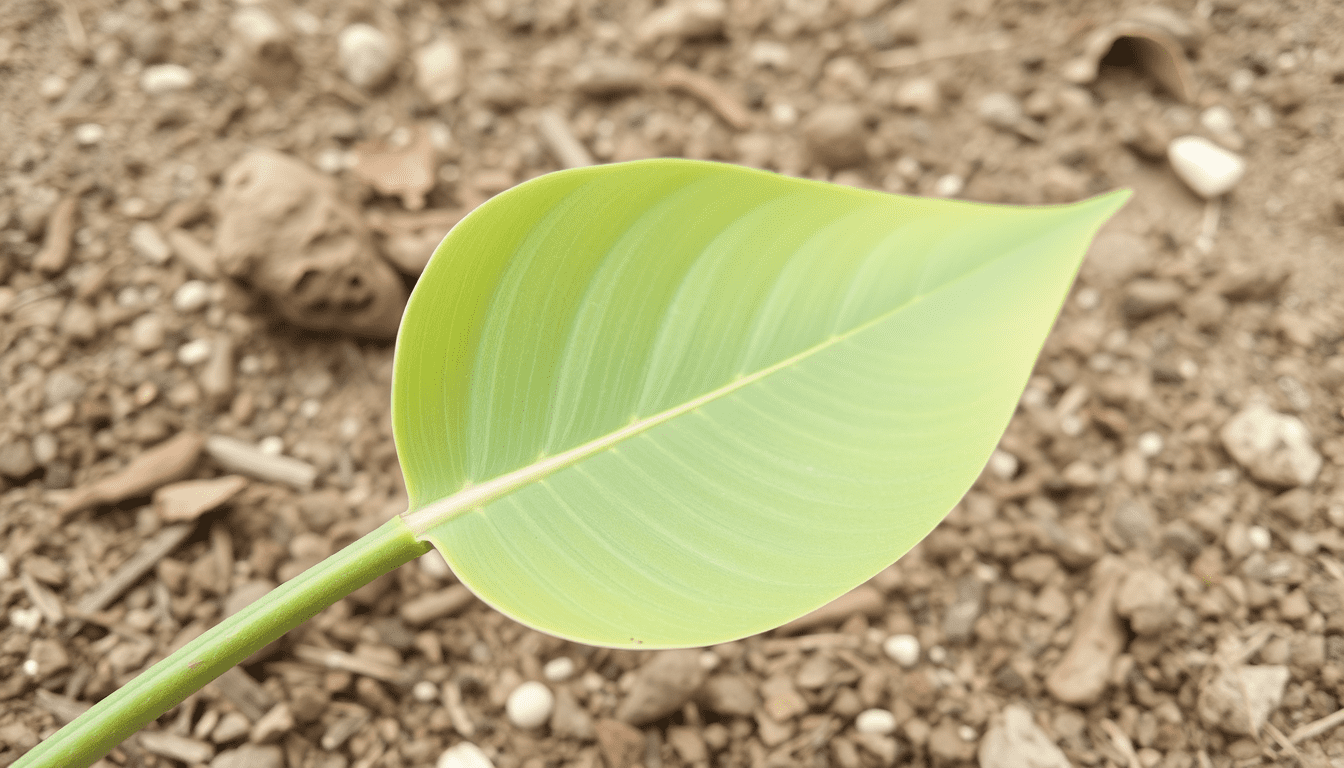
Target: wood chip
x=190 y=499
x=554 y=130
x=343 y=728
x=436 y=605
x=274 y=724
x=55 y=253
x=150 y=553
x=43 y=599
x=708 y=91
x=941 y=49
x=198 y=258
x=245 y=693
x=457 y=714
x=246 y=459
x=1317 y=727
x=333 y=659
x=168 y=461
x=180 y=748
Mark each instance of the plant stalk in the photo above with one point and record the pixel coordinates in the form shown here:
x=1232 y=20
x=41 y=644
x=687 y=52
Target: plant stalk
x=161 y=687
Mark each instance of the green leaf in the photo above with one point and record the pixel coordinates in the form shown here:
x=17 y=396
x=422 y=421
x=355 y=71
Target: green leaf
x=674 y=403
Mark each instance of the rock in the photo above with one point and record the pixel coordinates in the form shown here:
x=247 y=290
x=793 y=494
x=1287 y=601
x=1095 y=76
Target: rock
x=272 y=725
x=1224 y=697
x=879 y=721
x=959 y=621
x=622 y=744
x=1015 y=741
x=175 y=747
x=1147 y=600
x=190 y=499
x=1115 y=257
x=529 y=705
x=1272 y=447
x=191 y=296
x=569 y=720
x=729 y=695
x=1146 y=298
x=284 y=230
x=1205 y=167
x=194 y=352
x=232 y=727
x=782 y=700
x=408 y=171
x=439 y=71
x=79 y=322
x=366 y=54
x=902 y=649
x=688 y=744
x=559 y=669
x=836 y=135
x=162 y=79
x=815 y=672
x=250 y=756
x=1205 y=309
x=464 y=755
x=606 y=78
x=1000 y=110
x=16 y=459
x=1083 y=673
x=148 y=332
x=920 y=94
x=683 y=20
x=662 y=685
x=946 y=745
x=1134 y=523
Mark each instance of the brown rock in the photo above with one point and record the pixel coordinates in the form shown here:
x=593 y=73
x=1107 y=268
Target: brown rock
x=782 y=700
x=569 y=720
x=1147 y=600
x=729 y=695
x=622 y=745
x=662 y=685
x=190 y=499
x=946 y=745
x=836 y=135
x=1084 y=672
x=1224 y=697
x=688 y=744
x=1145 y=298
x=407 y=172
x=284 y=231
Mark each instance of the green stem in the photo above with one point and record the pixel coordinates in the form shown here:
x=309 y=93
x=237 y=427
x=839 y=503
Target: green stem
x=162 y=686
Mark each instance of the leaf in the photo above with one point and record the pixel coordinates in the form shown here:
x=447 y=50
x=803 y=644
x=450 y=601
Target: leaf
x=673 y=403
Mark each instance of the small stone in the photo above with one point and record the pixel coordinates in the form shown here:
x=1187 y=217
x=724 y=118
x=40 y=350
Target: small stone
x=948 y=185
x=250 y=756
x=162 y=79
x=569 y=720
x=80 y=322
x=52 y=87
x=662 y=685
x=959 y=621
x=439 y=71
x=729 y=695
x=1259 y=537
x=464 y=755
x=606 y=78
x=62 y=387
x=1274 y=448
x=190 y=499
x=194 y=352
x=366 y=54
x=1149 y=444
x=148 y=244
x=559 y=669
x=688 y=744
x=782 y=702
x=529 y=705
x=1223 y=699
x=1015 y=741
x=272 y=725
x=425 y=691
x=191 y=296
x=1002 y=464
x=1115 y=257
x=836 y=135
x=231 y=727
x=946 y=745
x=1147 y=600
x=902 y=649
x=683 y=20
x=1146 y=298
x=88 y=134
x=148 y=333
x=1134 y=523
x=1295 y=606
x=878 y=721
x=1207 y=168
x=1083 y=673
x=920 y=94
x=622 y=744
x=45 y=448
x=1000 y=110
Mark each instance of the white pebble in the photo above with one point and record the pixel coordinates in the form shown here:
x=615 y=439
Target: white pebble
x=162 y=79
x=148 y=244
x=147 y=332
x=878 y=721
x=1003 y=464
x=25 y=619
x=1000 y=110
x=52 y=87
x=309 y=408
x=272 y=445
x=769 y=54
x=424 y=691
x=439 y=72
x=30 y=667
x=366 y=55
x=194 y=352
x=1089 y=298
x=88 y=134
x=1205 y=167
x=1150 y=444
x=529 y=705
x=709 y=660
x=191 y=296
x=967 y=733
x=1259 y=537
x=949 y=185
x=433 y=564
x=1218 y=120
x=464 y=755
x=559 y=669
x=902 y=649
x=937 y=654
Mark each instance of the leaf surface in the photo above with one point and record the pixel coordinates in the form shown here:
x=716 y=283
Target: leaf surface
x=673 y=403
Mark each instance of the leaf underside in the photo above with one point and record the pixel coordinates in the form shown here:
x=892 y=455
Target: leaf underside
x=673 y=403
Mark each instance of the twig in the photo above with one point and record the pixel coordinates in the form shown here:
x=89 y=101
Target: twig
x=567 y=149
x=1122 y=743
x=1317 y=727
x=150 y=553
x=43 y=599
x=79 y=40
x=942 y=49
x=55 y=253
x=332 y=659
x=1282 y=741
x=247 y=459
x=708 y=91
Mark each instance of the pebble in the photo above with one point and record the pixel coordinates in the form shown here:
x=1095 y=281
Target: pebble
x=1149 y=444
x=1003 y=465
x=366 y=55
x=902 y=649
x=52 y=87
x=1147 y=600
x=1083 y=673
x=569 y=720
x=605 y=78
x=189 y=499
x=729 y=695
x=162 y=79
x=250 y=756
x=530 y=705
x=879 y=721
x=464 y=755
x=79 y=322
x=948 y=185
x=261 y=34
x=1259 y=537
x=1015 y=741
x=148 y=244
x=148 y=332
x=959 y=621
x=16 y=459
x=769 y=54
x=194 y=352
x=425 y=691
x=920 y=94
x=1000 y=110
x=1272 y=447
x=1146 y=298
x=559 y=669
x=45 y=448
x=88 y=134
x=191 y=296
x=661 y=686
x=683 y=21
x=1223 y=700
x=62 y=387
x=439 y=72
x=836 y=135
x=1205 y=167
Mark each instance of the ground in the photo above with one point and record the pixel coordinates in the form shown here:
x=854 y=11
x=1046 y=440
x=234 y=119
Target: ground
x=1133 y=571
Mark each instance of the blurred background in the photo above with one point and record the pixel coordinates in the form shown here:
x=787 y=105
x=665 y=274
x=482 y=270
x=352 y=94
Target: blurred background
x=211 y=212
